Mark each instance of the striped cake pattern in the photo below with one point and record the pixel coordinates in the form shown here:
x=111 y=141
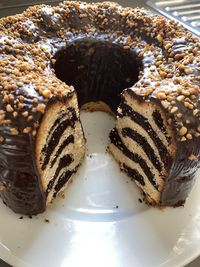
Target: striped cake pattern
x=142 y=144
x=61 y=146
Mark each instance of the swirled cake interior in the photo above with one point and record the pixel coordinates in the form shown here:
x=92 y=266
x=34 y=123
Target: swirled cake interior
x=141 y=142
x=60 y=146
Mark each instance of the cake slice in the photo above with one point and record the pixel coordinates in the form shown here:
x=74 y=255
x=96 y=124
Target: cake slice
x=143 y=143
x=60 y=146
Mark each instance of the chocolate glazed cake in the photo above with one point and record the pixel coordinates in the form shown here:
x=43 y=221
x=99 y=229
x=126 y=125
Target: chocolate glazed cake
x=139 y=66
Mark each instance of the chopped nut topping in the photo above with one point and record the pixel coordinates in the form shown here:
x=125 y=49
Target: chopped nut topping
x=20 y=84
x=183 y=139
x=9 y=108
x=174 y=109
x=25 y=113
x=159 y=38
x=188 y=70
x=46 y=93
x=189 y=136
x=161 y=95
x=193 y=157
x=14 y=131
x=27 y=130
x=183 y=131
x=41 y=108
x=165 y=104
x=26 y=82
x=180 y=98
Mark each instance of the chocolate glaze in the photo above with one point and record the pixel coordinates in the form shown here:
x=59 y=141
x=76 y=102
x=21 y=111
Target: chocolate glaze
x=44 y=33
x=23 y=192
x=181 y=178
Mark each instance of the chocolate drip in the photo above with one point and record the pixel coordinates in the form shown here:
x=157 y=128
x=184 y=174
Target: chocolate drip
x=138 y=138
x=116 y=140
x=134 y=174
x=143 y=122
x=23 y=191
x=63 y=163
x=181 y=177
x=66 y=142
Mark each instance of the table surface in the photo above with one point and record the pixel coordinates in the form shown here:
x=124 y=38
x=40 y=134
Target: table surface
x=20 y=5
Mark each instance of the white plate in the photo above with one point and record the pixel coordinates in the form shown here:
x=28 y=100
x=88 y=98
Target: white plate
x=100 y=222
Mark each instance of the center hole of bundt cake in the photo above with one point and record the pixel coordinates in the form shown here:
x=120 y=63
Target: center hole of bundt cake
x=99 y=70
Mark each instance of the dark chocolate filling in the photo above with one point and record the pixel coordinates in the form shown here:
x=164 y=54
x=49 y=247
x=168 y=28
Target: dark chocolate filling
x=138 y=138
x=69 y=140
x=55 y=138
x=134 y=174
x=98 y=69
x=57 y=121
x=116 y=140
x=143 y=122
x=63 y=163
x=63 y=115
x=159 y=122
x=63 y=179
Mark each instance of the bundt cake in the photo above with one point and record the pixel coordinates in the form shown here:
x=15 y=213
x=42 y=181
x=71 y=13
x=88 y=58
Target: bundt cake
x=139 y=66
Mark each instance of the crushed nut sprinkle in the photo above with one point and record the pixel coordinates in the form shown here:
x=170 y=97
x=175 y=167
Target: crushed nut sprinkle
x=183 y=131
x=26 y=84
x=14 y=131
x=192 y=157
x=9 y=108
x=41 y=108
x=27 y=130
